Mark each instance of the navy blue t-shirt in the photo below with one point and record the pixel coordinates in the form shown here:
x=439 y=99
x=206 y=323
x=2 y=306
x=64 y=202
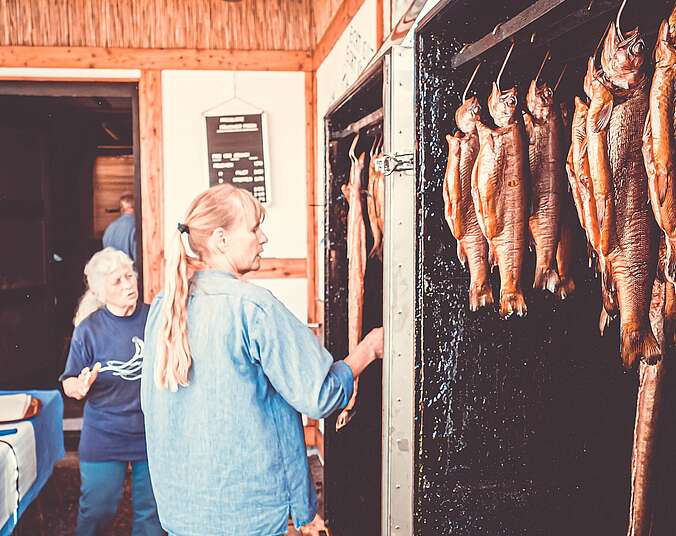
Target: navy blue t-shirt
x=112 y=428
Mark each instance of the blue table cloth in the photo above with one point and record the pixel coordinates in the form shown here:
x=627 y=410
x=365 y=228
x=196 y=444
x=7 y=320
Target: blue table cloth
x=48 y=426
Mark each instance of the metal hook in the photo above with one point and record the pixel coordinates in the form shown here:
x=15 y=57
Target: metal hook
x=532 y=38
x=544 y=60
x=617 y=20
x=600 y=45
x=565 y=65
x=591 y=3
x=504 y=63
x=471 y=79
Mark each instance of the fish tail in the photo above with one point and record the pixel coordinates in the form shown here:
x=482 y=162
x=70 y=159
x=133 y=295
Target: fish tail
x=546 y=278
x=565 y=288
x=512 y=302
x=480 y=295
x=639 y=343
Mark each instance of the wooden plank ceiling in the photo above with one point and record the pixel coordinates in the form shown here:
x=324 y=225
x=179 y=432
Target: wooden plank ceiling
x=166 y=24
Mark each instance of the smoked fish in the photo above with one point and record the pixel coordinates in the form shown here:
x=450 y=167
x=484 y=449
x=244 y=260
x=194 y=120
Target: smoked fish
x=472 y=248
x=545 y=156
x=500 y=175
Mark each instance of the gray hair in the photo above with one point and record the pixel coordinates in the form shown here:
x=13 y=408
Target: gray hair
x=99 y=266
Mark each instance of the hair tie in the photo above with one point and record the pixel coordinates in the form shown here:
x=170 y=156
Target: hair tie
x=183 y=228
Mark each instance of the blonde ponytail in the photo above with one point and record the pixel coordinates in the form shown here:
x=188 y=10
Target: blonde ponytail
x=219 y=206
x=174 y=358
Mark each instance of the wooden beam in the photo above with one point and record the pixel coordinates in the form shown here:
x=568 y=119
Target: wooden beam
x=310 y=178
x=274 y=268
x=344 y=14
x=152 y=185
x=380 y=23
x=155 y=58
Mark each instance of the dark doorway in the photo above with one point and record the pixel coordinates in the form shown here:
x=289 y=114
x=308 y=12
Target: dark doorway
x=68 y=151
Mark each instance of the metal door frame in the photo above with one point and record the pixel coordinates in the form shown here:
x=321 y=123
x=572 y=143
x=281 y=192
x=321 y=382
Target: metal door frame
x=399 y=298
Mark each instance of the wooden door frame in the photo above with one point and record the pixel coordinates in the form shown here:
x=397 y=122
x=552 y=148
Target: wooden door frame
x=111 y=87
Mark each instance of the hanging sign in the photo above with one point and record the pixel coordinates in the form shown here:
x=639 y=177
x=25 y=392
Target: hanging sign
x=237 y=150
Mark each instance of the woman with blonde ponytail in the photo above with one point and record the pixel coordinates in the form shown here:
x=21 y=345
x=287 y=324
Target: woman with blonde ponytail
x=104 y=368
x=228 y=372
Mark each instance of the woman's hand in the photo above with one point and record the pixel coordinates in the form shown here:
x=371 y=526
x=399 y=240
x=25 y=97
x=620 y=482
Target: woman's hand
x=375 y=342
x=368 y=350
x=78 y=388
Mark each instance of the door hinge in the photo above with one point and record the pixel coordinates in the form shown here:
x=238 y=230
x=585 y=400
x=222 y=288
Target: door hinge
x=389 y=163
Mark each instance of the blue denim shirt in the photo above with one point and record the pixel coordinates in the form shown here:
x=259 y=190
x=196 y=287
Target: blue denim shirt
x=227 y=453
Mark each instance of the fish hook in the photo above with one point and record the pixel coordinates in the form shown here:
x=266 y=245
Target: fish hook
x=504 y=63
x=471 y=79
x=617 y=20
x=544 y=60
x=556 y=86
x=600 y=45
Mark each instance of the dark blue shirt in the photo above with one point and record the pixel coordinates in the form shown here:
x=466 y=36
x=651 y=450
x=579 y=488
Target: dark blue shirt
x=112 y=428
x=121 y=234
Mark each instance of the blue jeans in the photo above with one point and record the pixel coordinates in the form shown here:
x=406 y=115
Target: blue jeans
x=100 y=494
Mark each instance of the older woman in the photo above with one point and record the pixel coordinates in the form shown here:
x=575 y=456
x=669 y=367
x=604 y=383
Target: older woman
x=228 y=371
x=109 y=326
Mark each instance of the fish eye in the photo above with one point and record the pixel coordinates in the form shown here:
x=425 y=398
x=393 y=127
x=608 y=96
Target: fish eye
x=637 y=47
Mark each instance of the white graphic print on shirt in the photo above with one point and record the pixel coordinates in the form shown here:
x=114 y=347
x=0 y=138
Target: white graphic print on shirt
x=128 y=370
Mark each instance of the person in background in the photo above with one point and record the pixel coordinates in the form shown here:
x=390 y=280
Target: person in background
x=227 y=373
x=121 y=232
x=109 y=326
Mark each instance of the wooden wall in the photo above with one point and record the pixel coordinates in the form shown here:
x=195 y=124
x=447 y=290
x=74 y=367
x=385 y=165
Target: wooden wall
x=210 y=24
x=113 y=175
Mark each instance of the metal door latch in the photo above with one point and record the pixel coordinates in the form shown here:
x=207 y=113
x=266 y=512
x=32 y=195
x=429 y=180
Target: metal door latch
x=389 y=163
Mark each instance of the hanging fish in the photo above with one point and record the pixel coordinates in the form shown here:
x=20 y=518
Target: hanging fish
x=627 y=228
x=472 y=247
x=543 y=127
x=375 y=202
x=356 y=266
x=659 y=147
x=500 y=175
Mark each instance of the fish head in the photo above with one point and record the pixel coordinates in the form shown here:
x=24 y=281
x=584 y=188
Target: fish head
x=540 y=100
x=623 y=58
x=502 y=105
x=468 y=114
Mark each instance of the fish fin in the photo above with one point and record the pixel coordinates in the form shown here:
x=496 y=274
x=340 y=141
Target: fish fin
x=639 y=343
x=480 y=295
x=601 y=118
x=492 y=260
x=670 y=316
x=546 y=278
x=608 y=292
x=670 y=261
x=530 y=129
x=604 y=321
x=512 y=302
x=565 y=288
x=462 y=257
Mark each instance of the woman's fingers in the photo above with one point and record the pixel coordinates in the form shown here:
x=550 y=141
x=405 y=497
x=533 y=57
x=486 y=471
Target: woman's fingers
x=93 y=374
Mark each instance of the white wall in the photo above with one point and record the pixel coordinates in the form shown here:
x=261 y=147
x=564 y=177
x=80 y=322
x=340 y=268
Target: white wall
x=348 y=58
x=185 y=96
